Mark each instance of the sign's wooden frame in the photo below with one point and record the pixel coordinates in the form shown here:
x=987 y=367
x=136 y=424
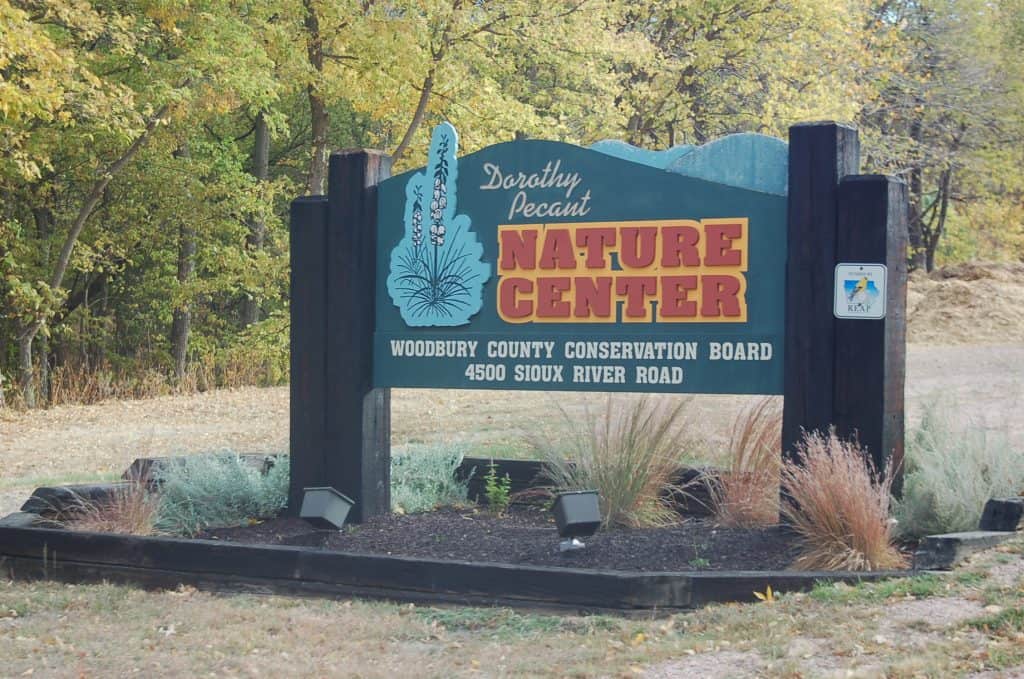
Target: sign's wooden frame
x=841 y=373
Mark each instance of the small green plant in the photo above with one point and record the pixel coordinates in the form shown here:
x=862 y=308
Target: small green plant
x=970 y=578
x=219 y=489
x=423 y=478
x=1008 y=622
x=498 y=489
x=919 y=587
x=505 y=623
x=699 y=561
x=631 y=453
x=951 y=472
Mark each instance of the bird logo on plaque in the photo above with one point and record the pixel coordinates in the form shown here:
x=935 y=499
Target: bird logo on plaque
x=860 y=291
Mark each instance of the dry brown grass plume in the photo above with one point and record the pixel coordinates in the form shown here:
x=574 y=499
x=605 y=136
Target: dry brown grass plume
x=747 y=496
x=838 y=507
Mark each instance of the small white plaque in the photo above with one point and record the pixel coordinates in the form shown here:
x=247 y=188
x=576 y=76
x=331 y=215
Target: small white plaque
x=860 y=291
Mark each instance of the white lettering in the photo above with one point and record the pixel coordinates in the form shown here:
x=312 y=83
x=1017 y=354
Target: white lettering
x=434 y=348
x=599 y=374
x=531 y=372
x=659 y=375
x=740 y=351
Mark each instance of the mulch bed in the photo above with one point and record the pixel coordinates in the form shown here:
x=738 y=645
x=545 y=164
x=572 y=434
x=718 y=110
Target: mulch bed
x=527 y=535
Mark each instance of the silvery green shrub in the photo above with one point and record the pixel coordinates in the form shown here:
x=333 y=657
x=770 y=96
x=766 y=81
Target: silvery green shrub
x=951 y=471
x=218 y=489
x=423 y=477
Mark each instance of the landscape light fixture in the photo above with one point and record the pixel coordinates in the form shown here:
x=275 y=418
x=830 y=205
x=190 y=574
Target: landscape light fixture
x=325 y=508
x=577 y=515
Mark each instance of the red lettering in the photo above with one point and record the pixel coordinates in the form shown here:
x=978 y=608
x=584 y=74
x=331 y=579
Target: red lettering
x=719 y=245
x=720 y=296
x=674 y=303
x=636 y=289
x=593 y=297
x=639 y=246
x=511 y=307
x=549 y=297
x=518 y=249
x=557 y=252
x=680 y=247
x=595 y=240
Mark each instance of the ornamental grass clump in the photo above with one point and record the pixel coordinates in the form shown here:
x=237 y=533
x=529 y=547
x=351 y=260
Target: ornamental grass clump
x=952 y=471
x=220 y=489
x=631 y=455
x=747 y=495
x=131 y=509
x=839 y=507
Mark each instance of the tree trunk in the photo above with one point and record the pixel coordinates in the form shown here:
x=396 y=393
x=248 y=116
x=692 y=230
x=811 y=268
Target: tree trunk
x=257 y=226
x=104 y=176
x=417 y=117
x=26 y=377
x=633 y=135
x=44 y=396
x=45 y=226
x=935 y=235
x=319 y=118
x=915 y=223
x=181 y=324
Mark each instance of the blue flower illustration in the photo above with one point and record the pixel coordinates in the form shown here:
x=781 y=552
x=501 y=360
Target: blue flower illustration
x=438 y=281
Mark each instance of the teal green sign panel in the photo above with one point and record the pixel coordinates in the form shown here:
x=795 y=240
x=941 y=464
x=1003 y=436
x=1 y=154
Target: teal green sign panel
x=546 y=266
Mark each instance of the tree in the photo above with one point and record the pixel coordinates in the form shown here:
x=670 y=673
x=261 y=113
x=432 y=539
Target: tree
x=490 y=68
x=108 y=81
x=948 y=108
x=738 y=65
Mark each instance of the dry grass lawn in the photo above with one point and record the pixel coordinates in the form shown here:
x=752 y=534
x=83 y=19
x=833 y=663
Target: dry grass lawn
x=968 y=623
x=84 y=443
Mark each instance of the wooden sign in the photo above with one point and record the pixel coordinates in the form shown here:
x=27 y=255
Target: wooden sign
x=541 y=265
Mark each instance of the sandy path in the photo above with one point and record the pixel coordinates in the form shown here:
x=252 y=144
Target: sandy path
x=985 y=381
x=85 y=442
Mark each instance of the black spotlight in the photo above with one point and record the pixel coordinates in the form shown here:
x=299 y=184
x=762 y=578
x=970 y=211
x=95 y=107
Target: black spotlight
x=325 y=508
x=578 y=515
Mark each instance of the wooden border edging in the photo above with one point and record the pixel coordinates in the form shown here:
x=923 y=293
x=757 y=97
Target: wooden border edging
x=29 y=553
x=946 y=551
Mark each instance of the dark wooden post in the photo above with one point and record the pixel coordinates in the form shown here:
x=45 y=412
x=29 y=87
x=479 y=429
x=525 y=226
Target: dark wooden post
x=308 y=335
x=870 y=355
x=340 y=426
x=358 y=417
x=820 y=155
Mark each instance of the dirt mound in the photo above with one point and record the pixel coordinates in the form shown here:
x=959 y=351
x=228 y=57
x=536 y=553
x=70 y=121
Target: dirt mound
x=975 y=303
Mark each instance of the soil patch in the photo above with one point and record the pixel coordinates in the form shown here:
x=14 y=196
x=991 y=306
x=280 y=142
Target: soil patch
x=527 y=535
x=710 y=665
x=967 y=304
